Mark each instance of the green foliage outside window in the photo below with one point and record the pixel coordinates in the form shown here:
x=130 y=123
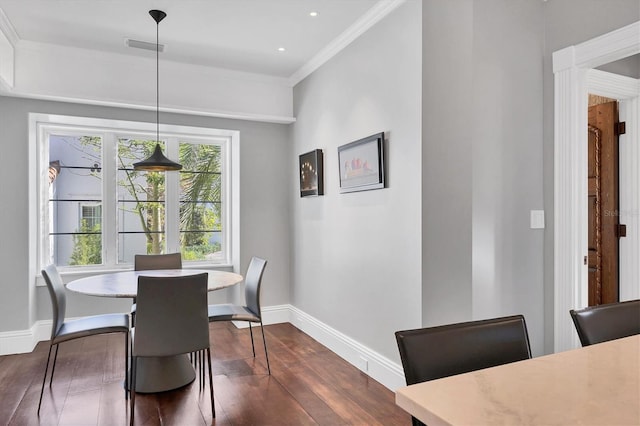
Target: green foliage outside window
x=87 y=245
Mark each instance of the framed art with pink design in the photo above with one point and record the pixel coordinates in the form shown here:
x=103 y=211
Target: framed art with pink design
x=362 y=164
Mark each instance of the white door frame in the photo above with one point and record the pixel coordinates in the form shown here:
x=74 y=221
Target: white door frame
x=574 y=77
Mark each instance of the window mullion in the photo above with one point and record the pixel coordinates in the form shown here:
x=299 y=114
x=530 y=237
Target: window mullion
x=109 y=194
x=45 y=254
x=172 y=197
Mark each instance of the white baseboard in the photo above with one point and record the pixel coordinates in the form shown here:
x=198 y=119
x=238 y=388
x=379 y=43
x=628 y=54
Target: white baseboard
x=23 y=341
x=376 y=366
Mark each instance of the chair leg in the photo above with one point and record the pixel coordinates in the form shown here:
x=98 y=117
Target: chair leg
x=53 y=367
x=416 y=422
x=253 y=348
x=126 y=366
x=199 y=370
x=203 y=371
x=213 y=408
x=134 y=362
x=44 y=379
x=265 y=347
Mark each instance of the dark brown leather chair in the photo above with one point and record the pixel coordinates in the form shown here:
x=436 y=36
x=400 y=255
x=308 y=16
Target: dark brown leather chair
x=436 y=352
x=601 y=323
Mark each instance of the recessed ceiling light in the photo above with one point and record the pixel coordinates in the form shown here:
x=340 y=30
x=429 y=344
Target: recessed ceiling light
x=314 y=14
x=281 y=49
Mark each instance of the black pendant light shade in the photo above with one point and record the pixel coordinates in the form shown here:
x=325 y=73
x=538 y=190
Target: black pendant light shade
x=157 y=15
x=157 y=162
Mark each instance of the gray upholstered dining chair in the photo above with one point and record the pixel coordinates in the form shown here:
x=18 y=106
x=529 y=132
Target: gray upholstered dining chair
x=63 y=330
x=171 y=320
x=251 y=311
x=436 y=352
x=597 y=324
x=147 y=262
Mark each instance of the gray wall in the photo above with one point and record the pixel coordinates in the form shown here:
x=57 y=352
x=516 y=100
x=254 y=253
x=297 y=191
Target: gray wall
x=264 y=194
x=356 y=256
x=482 y=157
x=484 y=163
x=447 y=114
x=567 y=23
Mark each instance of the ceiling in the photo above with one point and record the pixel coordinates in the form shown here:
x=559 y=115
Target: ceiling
x=240 y=35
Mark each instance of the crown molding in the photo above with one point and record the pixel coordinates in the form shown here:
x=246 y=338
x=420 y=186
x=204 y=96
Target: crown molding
x=368 y=20
x=7 y=29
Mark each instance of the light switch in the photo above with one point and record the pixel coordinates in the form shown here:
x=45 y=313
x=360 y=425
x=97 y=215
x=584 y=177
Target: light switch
x=537 y=219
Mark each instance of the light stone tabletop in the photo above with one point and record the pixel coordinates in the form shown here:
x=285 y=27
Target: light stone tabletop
x=125 y=284
x=594 y=385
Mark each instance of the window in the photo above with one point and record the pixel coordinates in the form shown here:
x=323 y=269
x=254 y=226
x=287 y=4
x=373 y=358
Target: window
x=95 y=210
x=90 y=216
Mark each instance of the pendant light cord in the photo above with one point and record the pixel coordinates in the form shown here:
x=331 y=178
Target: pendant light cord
x=157 y=162
x=158 y=82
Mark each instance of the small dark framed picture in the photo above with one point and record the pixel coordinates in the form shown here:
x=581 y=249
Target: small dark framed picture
x=311 y=178
x=362 y=164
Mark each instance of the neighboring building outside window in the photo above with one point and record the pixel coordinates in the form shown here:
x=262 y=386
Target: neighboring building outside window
x=96 y=210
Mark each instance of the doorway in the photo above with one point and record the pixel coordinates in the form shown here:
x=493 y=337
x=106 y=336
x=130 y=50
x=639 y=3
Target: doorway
x=603 y=227
x=574 y=77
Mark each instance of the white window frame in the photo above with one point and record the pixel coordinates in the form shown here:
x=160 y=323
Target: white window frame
x=41 y=125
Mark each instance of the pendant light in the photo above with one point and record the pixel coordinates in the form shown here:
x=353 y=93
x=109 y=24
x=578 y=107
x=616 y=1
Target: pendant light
x=157 y=162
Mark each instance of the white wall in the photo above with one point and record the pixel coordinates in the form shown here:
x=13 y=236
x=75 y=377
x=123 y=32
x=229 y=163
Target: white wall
x=264 y=214
x=356 y=256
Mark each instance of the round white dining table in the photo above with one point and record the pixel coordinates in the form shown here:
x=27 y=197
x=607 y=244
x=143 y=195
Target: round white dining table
x=153 y=374
x=125 y=283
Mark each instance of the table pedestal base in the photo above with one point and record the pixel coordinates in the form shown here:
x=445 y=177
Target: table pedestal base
x=159 y=374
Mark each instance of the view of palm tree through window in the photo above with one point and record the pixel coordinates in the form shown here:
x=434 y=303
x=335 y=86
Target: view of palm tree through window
x=76 y=202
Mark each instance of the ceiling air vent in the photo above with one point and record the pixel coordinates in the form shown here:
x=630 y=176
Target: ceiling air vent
x=143 y=45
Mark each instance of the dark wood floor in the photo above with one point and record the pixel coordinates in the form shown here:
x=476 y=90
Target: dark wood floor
x=309 y=385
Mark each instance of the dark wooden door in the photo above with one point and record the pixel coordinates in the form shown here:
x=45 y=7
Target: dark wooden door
x=603 y=204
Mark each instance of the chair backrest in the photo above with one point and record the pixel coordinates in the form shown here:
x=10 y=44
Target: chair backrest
x=601 y=323
x=58 y=297
x=436 y=352
x=172 y=315
x=252 y=283
x=146 y=262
